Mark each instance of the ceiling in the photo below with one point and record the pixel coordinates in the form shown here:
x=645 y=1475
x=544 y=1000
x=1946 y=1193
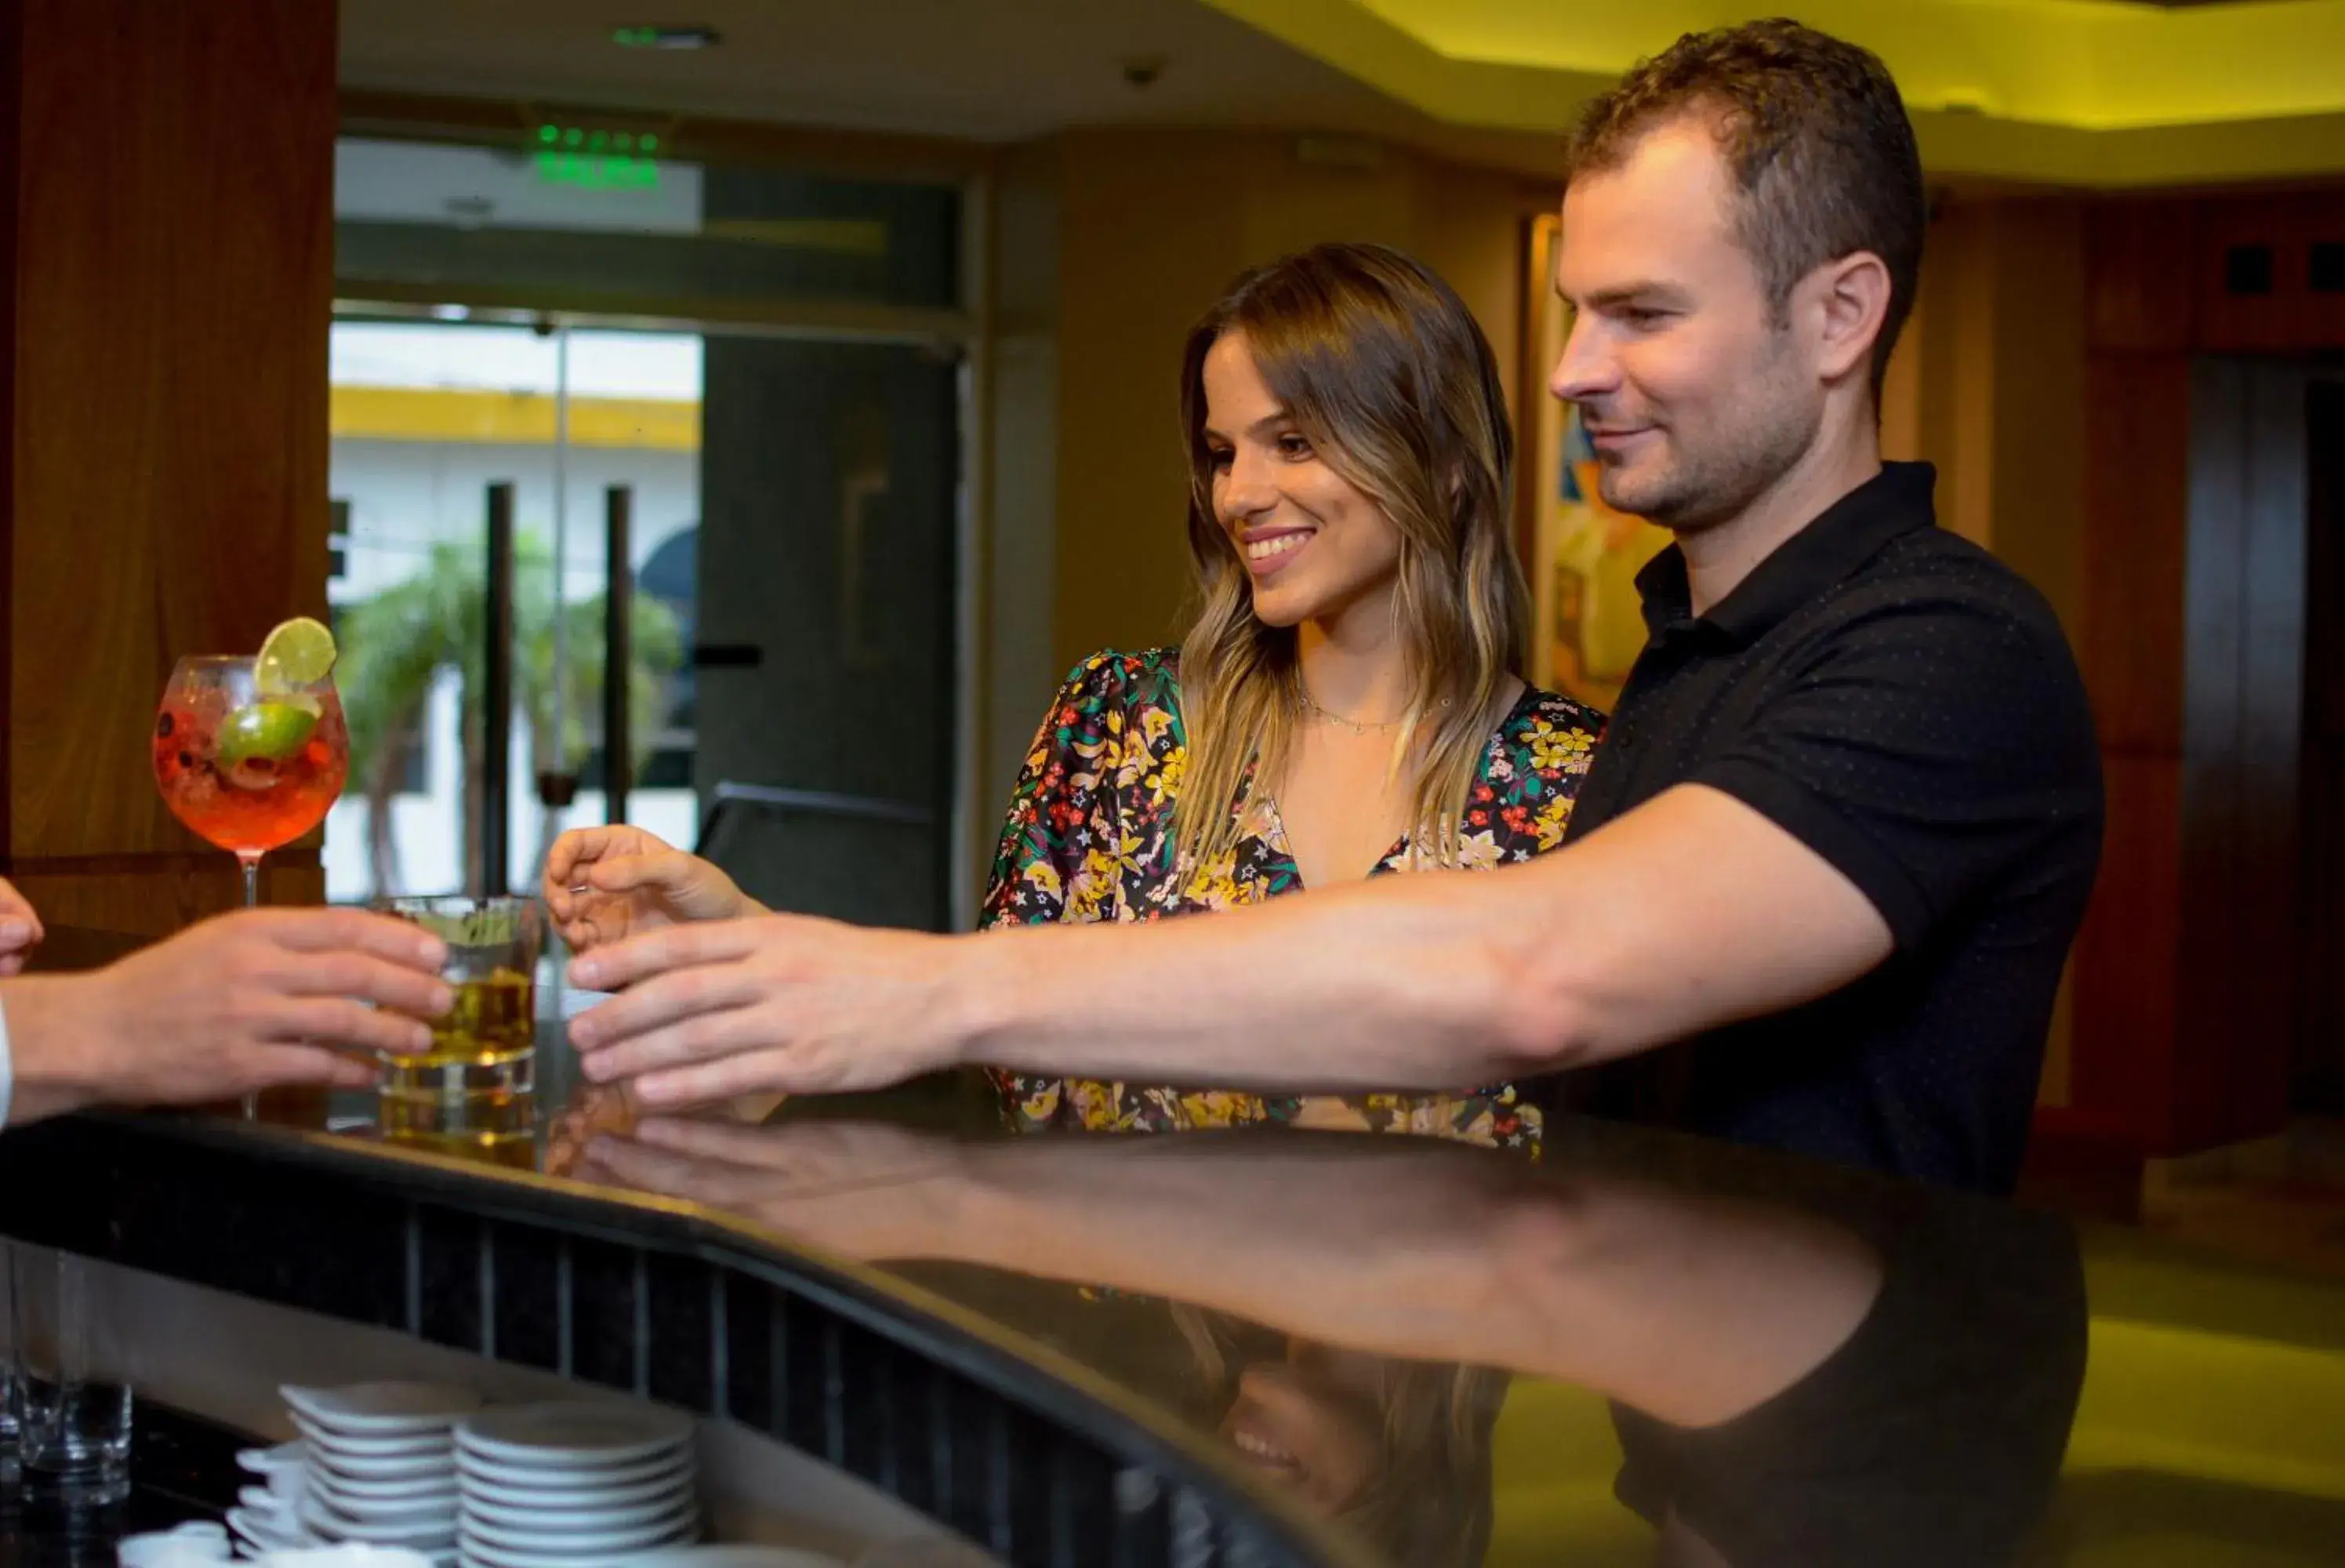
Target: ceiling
x=2079 y=92
x=993 y=70
x=2086 y=91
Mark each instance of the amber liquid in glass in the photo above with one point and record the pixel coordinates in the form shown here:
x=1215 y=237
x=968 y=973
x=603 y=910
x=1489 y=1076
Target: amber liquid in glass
x=477 y=1045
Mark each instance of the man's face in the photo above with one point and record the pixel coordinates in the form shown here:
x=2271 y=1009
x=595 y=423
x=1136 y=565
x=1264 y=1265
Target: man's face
x=1695 y=399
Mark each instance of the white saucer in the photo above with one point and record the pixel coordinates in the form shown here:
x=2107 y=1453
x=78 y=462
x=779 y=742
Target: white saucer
x=329 y=1523
x=383 y=1470
x=573 y=1434
x=473 y=1552
x=576 y=1482
x=270 y=1533
x=372 y=1510
x=734 y=1557
x=585 y=1493
x=401 y=1492
x=682 y=1523
x=318 y=1444
x=269 y=1461
x=509 y=1509
x=381 y=1410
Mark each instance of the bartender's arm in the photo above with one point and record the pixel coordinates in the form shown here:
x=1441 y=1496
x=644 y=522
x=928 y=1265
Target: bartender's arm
x=1692 y=911
x=231 y=1005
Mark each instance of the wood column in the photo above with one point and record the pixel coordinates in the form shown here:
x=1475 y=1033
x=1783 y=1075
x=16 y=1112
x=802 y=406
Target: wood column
x=167 y=240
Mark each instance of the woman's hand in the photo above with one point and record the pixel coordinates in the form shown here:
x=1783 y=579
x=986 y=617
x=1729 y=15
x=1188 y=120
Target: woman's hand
x=603 y=885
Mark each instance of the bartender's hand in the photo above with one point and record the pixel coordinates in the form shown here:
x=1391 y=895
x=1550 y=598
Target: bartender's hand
x=783 y=1002
x=607 y=884
x=237 y=1003
x=20 y=929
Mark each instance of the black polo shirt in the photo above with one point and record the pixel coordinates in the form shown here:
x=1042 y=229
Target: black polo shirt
x=1904 y=705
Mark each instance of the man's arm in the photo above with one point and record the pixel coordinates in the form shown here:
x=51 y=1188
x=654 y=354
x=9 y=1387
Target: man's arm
x=1692 y=911
x=1937 y=742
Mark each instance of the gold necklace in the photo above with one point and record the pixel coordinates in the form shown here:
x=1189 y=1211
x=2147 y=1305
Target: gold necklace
x=1358 y=726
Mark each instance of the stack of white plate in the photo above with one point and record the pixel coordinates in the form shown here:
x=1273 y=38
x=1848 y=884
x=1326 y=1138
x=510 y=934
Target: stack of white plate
x=268 y=1514
x=573 y=1484
x=378 y=1464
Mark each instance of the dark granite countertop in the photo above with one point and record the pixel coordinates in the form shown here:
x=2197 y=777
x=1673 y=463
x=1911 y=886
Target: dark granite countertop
x=1297 y=1346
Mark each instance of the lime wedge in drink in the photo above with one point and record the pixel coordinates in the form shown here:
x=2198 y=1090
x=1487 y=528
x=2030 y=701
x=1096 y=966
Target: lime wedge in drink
x=268 y=732
x=300 y=652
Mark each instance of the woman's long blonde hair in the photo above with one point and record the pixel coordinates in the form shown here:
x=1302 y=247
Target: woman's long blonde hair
x=1382 y=367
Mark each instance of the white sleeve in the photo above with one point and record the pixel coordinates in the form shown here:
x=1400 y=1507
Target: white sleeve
x=7 y=1069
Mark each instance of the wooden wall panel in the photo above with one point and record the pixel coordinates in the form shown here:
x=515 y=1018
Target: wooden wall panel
x=2129 y=951
x=154 y=895
x=171 y=270
x=2291 y=318
x=2137 y=444
x=2138 y=255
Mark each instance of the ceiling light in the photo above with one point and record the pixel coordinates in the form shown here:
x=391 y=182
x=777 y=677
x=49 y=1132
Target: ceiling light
x=644 y=37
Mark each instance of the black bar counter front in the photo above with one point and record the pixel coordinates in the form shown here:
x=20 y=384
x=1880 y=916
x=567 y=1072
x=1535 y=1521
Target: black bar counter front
x=1288 y=1347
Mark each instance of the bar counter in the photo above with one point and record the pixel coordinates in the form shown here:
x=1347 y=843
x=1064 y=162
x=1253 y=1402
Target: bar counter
x=1266 y=1348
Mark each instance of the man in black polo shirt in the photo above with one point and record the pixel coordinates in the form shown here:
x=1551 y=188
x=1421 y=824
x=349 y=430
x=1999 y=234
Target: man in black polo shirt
x=1885 y=693
x=1827 y=868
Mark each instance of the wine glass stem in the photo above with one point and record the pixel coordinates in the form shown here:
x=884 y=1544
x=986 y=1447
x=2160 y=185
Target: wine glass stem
x=250 y=861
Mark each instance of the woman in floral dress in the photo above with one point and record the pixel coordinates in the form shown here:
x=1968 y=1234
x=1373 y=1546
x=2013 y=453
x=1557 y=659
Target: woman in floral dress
x=1348 y=702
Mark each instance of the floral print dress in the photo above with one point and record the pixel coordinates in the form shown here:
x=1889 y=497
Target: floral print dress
x=1090 y=837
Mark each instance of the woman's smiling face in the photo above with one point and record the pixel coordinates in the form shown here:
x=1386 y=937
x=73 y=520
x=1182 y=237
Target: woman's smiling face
x=1315 y=545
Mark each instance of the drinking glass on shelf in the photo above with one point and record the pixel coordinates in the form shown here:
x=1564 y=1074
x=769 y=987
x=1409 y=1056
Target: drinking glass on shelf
x=252 y=751
x=73 y=1421
x=485 y=1047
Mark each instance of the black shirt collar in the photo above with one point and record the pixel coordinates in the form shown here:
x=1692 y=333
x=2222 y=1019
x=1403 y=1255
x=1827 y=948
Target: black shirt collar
x=1843 y=537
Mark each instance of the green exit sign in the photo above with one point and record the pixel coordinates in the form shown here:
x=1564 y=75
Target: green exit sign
x=597 y=158
x=591 y=171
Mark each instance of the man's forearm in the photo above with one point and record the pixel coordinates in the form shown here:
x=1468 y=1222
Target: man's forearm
x=1690 y=912
x=1416 y=982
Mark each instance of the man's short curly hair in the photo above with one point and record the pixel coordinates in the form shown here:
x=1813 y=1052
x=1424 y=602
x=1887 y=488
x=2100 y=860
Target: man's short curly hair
x=1816 y=136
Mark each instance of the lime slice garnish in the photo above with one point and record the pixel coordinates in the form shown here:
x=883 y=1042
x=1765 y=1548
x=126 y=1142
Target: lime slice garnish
x=269 y=732
x=300 y=652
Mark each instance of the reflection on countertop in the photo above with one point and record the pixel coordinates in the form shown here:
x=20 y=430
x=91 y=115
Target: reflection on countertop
x=1639 y=1346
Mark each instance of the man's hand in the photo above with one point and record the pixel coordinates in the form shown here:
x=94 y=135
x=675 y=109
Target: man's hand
x=862 y=1189
x=781 y=1002
x=20 y=930
x=603 y=885
x=237 y=1003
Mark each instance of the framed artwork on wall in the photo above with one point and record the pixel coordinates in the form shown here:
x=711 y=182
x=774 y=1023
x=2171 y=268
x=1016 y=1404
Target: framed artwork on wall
x=1583 y=557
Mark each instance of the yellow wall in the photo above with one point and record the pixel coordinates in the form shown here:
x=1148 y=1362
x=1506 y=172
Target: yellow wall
x=468 y=414
x=1153 y=225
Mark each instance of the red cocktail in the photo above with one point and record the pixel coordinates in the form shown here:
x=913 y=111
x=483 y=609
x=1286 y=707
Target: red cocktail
x=247 y=757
